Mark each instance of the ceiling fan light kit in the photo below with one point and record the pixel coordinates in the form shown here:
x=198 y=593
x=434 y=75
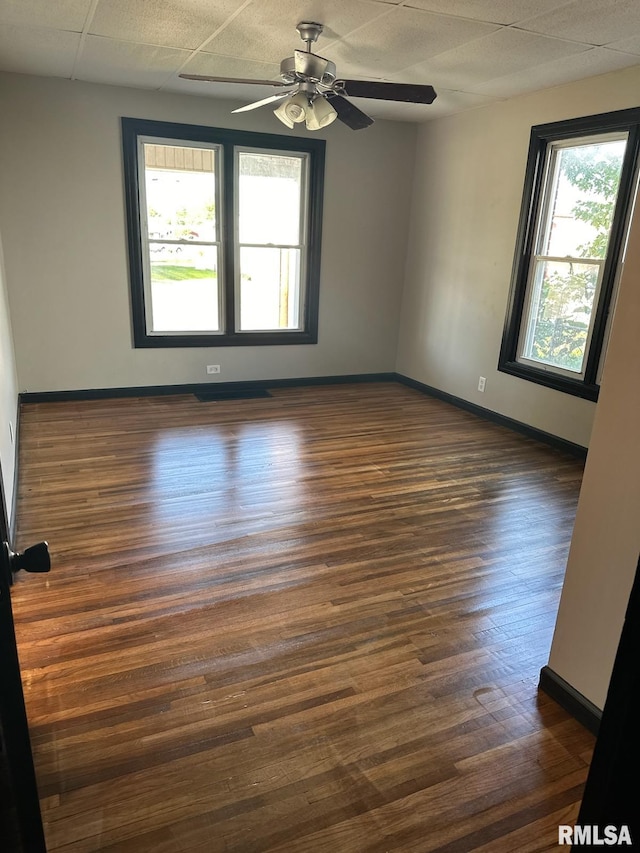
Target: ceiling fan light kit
x=322 y=114
x=314 y=95
x=316 y=112
x=293 y=109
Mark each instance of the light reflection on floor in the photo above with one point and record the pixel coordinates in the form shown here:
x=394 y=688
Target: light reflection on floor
x=251 y=469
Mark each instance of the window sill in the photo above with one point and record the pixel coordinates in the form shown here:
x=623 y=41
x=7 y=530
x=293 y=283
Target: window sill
x=551 y=380
x=142 y=340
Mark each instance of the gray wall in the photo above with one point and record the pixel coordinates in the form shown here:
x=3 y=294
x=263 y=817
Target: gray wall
x=62 y=214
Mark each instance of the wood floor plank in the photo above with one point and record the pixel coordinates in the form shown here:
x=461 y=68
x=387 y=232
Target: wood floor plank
x=310 y=622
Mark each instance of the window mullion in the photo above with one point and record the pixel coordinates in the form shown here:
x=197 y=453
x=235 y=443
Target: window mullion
x=229 y=238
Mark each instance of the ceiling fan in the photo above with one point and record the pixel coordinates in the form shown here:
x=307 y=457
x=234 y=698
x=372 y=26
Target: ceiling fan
x=313 y=94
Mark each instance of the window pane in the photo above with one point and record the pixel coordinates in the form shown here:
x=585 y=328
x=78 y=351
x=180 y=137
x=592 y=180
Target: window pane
x=269 y=289
x=560 y=313
x=582 y=196
x=180 y=185
x=270 y=197
x=184 y=288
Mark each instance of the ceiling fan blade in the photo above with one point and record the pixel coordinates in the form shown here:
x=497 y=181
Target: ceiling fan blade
x=264 y=101
x=209 y=79
x=411 y=93
x=349 y=114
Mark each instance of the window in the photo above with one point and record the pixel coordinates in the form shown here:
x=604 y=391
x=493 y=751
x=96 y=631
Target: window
x=224 y=235
x=579 y=190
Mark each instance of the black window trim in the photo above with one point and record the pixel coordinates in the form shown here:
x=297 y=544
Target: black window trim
x=228 y=139
x=541 y=136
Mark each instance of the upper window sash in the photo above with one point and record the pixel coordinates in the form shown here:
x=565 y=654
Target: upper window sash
x=552 y=176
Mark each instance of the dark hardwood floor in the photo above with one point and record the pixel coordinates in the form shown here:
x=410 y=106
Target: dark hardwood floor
x=313 y=622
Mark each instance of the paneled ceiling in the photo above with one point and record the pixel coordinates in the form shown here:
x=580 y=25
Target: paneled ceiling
x=472 y=51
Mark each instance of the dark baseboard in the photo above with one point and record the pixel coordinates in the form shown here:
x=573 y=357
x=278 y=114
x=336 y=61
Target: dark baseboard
x=198 y=387
x=570 y=699
x=502 y=420
x=562 y=444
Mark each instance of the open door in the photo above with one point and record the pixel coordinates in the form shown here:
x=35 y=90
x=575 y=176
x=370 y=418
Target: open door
x=20 y=819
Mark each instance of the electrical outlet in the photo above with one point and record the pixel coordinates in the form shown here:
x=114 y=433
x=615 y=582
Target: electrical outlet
x=481 y=383
x=213 y=368
x=11 y=431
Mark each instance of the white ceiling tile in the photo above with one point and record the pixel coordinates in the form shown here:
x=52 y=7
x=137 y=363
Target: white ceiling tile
x=121 y=63
x=27 y=50
x=403 y=38
x=504 y=52
x=496 y=11
x=185 y=24
x=61 y=14
x=627 y=45
x=228 y=66
x=597 y=60
x=266 y=30
x=594 y=22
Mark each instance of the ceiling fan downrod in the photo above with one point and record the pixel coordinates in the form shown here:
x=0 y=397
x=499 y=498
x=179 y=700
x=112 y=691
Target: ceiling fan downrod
x=309 y=32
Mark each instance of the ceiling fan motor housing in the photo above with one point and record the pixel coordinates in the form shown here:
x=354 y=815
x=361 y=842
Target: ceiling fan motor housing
x=307 y=67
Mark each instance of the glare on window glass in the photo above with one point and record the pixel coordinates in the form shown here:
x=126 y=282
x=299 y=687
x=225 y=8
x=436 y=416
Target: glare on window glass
x=270 y=187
